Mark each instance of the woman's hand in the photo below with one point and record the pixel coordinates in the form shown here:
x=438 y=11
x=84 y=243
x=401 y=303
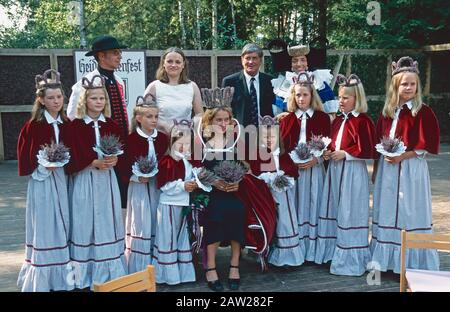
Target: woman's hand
x=50 y=168
x=189 y=186
x=111 y=161
x=308 y=164
x=226 y=187
x=337 y=155
x=398 y=159
x=281 y=115
x=143 y=180
x=100 y=164
x=232 y=187
x=326 y=155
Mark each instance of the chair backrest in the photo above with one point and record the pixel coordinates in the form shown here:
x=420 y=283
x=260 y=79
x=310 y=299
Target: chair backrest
x=136 y=282
x=419 y=240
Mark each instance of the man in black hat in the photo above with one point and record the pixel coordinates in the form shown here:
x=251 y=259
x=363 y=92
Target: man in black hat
x=108 y=54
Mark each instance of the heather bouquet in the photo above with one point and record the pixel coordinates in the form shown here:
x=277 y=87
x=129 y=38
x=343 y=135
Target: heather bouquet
x=204 y=178
x=318 y=144
x=390 y=146
x=230 y=171
x=110 y=145
x=54 y=155
x=301 y=153
x=145 y=167
x=281 y=182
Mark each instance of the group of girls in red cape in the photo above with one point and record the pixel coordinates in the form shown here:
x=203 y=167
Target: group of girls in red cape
x=285 y=209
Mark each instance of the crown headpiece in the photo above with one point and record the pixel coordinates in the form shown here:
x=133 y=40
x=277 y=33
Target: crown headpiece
x=147 y=100
x=304 y=78
x=298 y=50
x=400 y=66
x=44 y=81
x=183 y=123
x=349 y=81
x=268 y=121
x=96 y=82
x=217 y=97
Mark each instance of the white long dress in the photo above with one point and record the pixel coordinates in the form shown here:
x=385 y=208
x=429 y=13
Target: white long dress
x=47 y=259
x=172 y=252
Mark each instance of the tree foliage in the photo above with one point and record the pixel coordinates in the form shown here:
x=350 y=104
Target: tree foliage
x=156 y=24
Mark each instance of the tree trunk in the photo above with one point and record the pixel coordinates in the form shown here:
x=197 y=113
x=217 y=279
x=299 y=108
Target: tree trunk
x=214 y=24
x=322 y=22
x=233 y=18
x=197 y=13
x=181 y=17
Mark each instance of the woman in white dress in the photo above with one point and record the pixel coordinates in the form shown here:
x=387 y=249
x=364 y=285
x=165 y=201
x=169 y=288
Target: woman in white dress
x=176 y=96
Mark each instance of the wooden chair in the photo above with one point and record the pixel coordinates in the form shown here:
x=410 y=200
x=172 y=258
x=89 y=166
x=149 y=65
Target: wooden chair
x=143 y=281
x=413 y=280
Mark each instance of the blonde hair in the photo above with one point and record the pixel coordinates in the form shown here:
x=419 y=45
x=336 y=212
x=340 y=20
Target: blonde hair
x=316 y=102
x=139 y=110
x=208 y=116
x=161 y=74
x=178 y=132
x=393 y=98
x=360 y=96
x=37 y=112
x=82 y=103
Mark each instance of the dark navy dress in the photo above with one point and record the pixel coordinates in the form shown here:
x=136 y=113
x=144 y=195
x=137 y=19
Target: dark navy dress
x=225 y=215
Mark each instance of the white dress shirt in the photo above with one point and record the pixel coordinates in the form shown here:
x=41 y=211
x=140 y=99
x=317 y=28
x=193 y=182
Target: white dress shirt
x=55 y=123
x=87 y=119
x=303 y=115
x=256 y=84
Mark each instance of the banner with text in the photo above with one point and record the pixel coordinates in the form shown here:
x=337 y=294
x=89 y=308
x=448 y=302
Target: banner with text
x=132 y=70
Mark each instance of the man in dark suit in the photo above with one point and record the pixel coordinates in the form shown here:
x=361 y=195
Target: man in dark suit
x=253 y=93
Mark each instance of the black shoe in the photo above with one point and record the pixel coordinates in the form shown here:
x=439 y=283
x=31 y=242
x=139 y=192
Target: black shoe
x=234 y=283
x=214 y=285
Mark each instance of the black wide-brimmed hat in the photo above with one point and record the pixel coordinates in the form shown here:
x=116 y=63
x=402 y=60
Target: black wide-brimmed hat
x=103 y=43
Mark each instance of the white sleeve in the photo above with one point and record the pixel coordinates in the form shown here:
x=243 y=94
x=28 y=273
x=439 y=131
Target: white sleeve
x=173 y=187
x=73 y=100
x=350 y=157
x=41 y=173
x=420 y=152
x=134 y=178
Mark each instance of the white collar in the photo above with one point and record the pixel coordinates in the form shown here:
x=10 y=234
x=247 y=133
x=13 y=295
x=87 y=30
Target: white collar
x=248 y=77
x=409 y=104
x=299 y=112
x=353 y=112
x=142 y=133
x=276 y=152
x=50 y=119
x=87 y=119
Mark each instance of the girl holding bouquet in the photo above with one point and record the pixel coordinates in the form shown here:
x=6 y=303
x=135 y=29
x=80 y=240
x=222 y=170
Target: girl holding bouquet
x=41 y=155
x=407 y=130
x=145 y=146
x=241 y=210
x=97 y=236
x=306 y=121
x=343 y=229
x=277 y=169
x=172 y=252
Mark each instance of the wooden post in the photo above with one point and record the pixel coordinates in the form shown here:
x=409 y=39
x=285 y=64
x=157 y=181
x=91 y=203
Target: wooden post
x=426 y=89
x=214 y=77
x=349 y=65
x=388 y=72
x=53 y=61
x=2 y=149
x=336 y=70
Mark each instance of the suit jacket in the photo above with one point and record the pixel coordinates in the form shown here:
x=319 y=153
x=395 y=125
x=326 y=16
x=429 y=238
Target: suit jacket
x=241 y=99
